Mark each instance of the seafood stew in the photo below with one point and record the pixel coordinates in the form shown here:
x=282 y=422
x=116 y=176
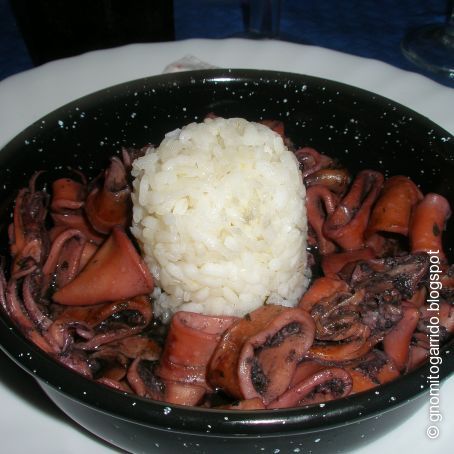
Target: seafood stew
x=79 y=290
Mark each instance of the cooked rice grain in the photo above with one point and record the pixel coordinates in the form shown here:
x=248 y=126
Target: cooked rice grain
x=219 y=212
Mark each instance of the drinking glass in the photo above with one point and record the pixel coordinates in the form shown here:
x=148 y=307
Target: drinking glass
x=261 y=19
x=431 y=46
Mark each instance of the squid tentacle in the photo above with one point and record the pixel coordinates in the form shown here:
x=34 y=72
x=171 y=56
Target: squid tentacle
x=347 y=224
x=320 y=203
x=109 y=205
x=190 y=343
x=311 y=160
x=335 y=180
x=328 y=384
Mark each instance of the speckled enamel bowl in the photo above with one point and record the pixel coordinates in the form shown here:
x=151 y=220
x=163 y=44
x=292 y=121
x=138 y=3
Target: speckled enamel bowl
x=363 y=130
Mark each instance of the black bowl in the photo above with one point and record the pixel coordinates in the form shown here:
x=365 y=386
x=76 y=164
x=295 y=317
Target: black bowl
x=361 y=129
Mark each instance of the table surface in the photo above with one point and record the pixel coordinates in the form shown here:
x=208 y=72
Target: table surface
x=366 y=28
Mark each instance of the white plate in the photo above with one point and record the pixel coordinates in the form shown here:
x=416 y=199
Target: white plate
x=28 y=422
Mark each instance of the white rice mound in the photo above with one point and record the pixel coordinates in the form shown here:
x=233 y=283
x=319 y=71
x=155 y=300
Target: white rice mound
x=220 y=215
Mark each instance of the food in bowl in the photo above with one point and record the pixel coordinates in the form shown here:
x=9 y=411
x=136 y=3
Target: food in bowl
x=80 y=290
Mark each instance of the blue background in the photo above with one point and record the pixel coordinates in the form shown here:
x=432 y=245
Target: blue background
x=365 y=28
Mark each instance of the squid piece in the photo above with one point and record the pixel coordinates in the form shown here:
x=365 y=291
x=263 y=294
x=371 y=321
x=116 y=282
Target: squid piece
x=419 y=350
x=12 y=305
x=30 y=297
x=180 y=393
x=67 y=194
x=427 y=223
x=111 y=361
x=190 y=343
x=373 y=370
x=268 y=359
x=387 y=283
x=115 y=272
x=115 y=321
x=320 y=203
x=89 y=327
x=445 y=315
x=76 y=361
x=68 y=199
x=335 y=180
x=145 y=383
x=419 y=297
x=74 y=221
x=334 y=263
x=68 y=254
x=111 y=367
x=71 y=322
x=393 y=208
x=131 y=347
x=350 y=349
x=14 y=308
x=392 y=277
x=28 y=237
x=305 y=369
x=385 y=245
x=109 y=205
x=396 y=342
x=337 y=318
x=311 y=160
x=258 y=354
x=324 y=385
x=323 y=287
x=346 y=226
x=342 y=321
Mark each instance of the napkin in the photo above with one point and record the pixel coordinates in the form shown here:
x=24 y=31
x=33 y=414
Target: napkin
x=187 y=63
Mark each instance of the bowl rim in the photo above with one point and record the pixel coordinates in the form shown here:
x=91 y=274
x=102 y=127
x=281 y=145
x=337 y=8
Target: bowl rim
x=165 y=416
